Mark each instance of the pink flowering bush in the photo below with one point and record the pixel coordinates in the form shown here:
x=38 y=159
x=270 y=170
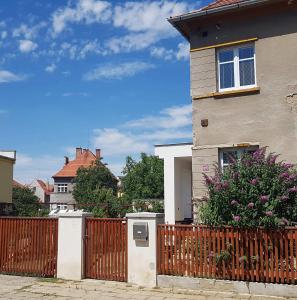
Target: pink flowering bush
x=253 y=191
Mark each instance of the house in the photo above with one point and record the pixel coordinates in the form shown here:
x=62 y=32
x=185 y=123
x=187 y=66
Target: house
x=62 y=197
x=7 y=161
x=243 y=61
x=42 y=190
x=16 y=184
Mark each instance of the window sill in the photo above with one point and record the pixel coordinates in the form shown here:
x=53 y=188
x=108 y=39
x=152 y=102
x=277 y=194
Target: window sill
x=254 y=90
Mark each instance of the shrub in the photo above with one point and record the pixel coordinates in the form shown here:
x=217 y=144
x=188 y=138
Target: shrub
x=253 y=191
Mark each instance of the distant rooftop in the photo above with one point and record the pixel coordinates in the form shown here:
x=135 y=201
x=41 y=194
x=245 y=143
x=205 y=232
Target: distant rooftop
x=84 y=158
x=220 y=3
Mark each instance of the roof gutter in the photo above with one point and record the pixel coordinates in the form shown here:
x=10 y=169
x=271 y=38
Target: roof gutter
x=174 y=20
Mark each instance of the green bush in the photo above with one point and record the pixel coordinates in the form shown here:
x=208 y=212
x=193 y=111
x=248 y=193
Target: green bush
x=251 y=192
x=25 y=203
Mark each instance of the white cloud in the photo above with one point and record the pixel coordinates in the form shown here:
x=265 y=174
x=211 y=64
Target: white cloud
x=3 y=34
x=131 y=42
x=73 y=94
x=146 y=23
x=183 y=51
x=28 y=168
x=161 y=52
x=85 y=11
x=90 y=47
x=170 y=125
x=148 y=16
x=114 y=142
x=50 y=68
x=66 y=73
x=27 y=46
x=117 y=71
x=28 y=32
x=172 y=117
x=7 y=76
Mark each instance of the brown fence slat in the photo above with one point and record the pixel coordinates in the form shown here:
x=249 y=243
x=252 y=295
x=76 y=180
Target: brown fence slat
x=28 y=246
x=106 y=249
x=228 y=253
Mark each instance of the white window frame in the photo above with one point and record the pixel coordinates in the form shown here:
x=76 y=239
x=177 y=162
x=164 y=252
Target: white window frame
x=235 y=61
x=62 y=206
x=240 y=151
x=62 y=188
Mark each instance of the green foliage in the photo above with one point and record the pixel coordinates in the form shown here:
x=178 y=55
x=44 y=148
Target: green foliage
x=95 y=191
x=104 y=204
x=144 y=179
x=148 y=205
x=253 y=191
x=25 y=203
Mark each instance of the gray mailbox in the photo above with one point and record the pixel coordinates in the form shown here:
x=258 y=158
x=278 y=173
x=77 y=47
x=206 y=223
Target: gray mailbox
x=140 y=231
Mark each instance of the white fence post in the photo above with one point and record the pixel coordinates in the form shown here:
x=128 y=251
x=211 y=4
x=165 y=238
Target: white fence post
x=142 y=253
x=71 y=230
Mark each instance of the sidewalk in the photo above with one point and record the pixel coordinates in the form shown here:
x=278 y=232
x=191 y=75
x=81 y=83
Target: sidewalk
x=15 y=287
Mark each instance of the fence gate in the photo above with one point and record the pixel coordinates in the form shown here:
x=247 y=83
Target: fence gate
x=106 y=249
x=28 y=246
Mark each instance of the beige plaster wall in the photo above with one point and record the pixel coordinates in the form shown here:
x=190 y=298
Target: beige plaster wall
x=6 y=177
x=268 y=118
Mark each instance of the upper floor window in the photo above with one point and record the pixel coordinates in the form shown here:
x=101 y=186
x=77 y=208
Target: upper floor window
x=236 y=67
x=62 y=188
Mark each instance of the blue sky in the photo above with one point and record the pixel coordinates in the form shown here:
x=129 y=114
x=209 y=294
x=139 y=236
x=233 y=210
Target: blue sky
x=97 y=74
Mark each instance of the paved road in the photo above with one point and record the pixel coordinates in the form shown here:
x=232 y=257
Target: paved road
x=14 y=287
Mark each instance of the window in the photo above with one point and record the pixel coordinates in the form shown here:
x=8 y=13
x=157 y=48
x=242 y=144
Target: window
x=236 y=68
x=62 y=188
x=228 y=154
x=62 y=206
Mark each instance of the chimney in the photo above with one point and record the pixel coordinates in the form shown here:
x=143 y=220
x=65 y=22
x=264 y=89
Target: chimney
x=98 y=153
x=78 y=152
x=66 y=160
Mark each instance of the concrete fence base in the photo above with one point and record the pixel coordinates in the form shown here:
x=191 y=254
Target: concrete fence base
x=240 y=287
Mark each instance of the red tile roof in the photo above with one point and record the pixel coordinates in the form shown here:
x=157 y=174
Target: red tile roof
x=84 y=159
x=220 y=3
x=16 y=184
x=47 y=188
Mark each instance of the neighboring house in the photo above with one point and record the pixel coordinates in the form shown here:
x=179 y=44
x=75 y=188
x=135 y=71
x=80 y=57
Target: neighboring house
x=42 y=190
x=243 y=62
x=16 y=184
x=7 y=160
x=62 y=197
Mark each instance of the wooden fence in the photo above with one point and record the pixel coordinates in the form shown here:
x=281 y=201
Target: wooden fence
x=28 y=246
x=106 y=249
x=228 y=253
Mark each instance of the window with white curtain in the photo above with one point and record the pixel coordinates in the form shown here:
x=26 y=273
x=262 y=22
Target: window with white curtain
x=236 y=67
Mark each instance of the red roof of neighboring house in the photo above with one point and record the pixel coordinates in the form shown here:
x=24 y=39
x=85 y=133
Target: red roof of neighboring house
x=83 y=159
x=220 y=3
x=16 y=184
x=46 y=187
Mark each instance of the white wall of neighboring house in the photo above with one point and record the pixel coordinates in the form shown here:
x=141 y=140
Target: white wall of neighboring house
x=38 y=190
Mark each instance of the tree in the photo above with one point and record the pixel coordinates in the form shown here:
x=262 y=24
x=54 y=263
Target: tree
x=144 y=180
x=253 y=191
x=25 y=203
x=95 y=190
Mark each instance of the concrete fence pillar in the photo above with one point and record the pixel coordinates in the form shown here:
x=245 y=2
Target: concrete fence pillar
x=142 y=247
x=71 y=230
